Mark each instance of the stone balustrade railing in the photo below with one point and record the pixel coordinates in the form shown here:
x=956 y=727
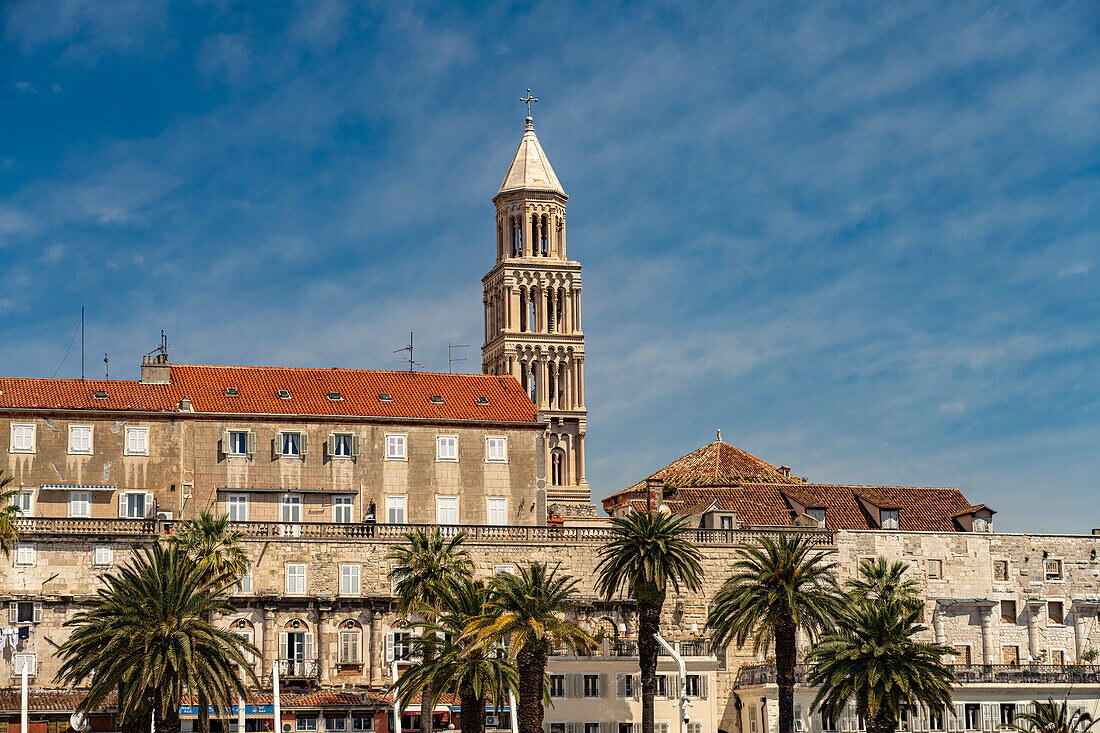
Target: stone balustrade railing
x=764 y=674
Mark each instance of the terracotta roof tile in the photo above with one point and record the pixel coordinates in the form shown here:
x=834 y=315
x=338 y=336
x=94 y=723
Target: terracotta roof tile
x=257 y=389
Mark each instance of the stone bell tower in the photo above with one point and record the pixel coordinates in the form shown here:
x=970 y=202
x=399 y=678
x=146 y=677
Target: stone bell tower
x=532 y=298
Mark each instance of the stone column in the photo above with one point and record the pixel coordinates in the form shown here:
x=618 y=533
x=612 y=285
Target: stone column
x=937 y=624
x=580 y=382
x=561 y=223
x=580 y=459
x=374 y=620
x=325 y=633
x=577 y=295
x=567 y=384
x=1034 y=606
x=986 y=611
x=271 y=648
x=538 y=233
x=552 y=322
x=541 y=382
x=1081 y=613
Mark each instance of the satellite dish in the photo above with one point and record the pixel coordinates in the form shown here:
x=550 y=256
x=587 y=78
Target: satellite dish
x=78 y=722
x=663 y=509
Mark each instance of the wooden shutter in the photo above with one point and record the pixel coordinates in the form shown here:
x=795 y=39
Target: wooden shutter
x=603 y=686
x=389 y=647
x=703 y=686
x=277 y=443
x=303 y=443
x=37 y=617
x=282 y=645
x=355 y=446
x=672 y=686
x=330 y=445
x=251 y=443
x=149 y=505
x=309 y=646
x=620 y=685
x=13 y=612
x=637 y=686
x=121 y=505
x=227 y=449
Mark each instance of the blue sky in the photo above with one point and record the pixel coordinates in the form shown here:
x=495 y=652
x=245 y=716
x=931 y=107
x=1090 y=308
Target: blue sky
x=862 y=240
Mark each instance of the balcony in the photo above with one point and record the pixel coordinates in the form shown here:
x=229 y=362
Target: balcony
x=965 y=674
x=389 y=533
x=290 y=669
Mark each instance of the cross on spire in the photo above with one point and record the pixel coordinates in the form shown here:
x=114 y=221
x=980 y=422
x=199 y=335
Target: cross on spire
x=527 y=100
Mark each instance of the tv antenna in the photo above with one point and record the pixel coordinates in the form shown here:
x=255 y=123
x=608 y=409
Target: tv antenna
x=452 y=359
x=106 y=367
x=409 y=349
x=162 y=348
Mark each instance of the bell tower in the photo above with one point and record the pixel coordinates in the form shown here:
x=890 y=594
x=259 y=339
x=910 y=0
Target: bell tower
x=532 y=299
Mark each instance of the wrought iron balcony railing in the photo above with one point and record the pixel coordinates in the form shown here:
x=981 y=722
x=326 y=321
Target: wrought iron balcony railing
x=291 y=668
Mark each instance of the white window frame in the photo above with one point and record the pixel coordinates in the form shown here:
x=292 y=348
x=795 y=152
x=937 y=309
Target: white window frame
x=234 y=443
x=75 y=430
x=290 y=439
x=351 y=639
x=501 y=504
x=446 y=510
x=103 y=555
x=144 y=504
x=143 y=448
x=287 y=502
x=564 y=682
x=303 y=722
x=593 y=691
x=293 y=574
x=244 y=584
x=236 y=507
x=343 y=505
x=338 y=440
x=938 y=564
x=1061 y=570
x=24 y=499
x=501 y=445
x=349 y=580
x=21 y=658
x=80 y=500
x=18 y=445
x=399 y=503
x=446 y=448
x=26 y=555
x=396 y=447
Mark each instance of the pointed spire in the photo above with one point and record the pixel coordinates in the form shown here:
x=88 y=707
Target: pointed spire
x=530 y=169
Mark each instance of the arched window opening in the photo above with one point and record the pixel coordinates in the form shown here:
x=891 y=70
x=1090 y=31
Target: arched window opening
x=550 y=324
x=557 y=467
x=531 y=320
x=544 y=236
x=551 y=382
x=516 y=243
x=296 y=655
x=351 y=644
x=559 y=310
x=522 y=309
x=532 y=388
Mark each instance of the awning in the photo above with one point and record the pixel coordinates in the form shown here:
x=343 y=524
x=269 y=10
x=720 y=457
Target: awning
x=248 y=710
x=77 y=487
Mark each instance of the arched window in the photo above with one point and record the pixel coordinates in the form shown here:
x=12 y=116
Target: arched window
x=296 y=655
x=557 y=467
x=532 y=387
x=523 y=309
x=516 y=238
x=243 y=628
x=351 y=643
x=544 y=236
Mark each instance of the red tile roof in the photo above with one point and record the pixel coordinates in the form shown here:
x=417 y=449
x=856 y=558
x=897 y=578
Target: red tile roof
x=59 y=701
x=257 y=389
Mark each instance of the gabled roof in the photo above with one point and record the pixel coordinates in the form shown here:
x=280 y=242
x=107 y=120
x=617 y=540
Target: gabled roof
x=974 y=510
x=309 y=388
x=530 y=169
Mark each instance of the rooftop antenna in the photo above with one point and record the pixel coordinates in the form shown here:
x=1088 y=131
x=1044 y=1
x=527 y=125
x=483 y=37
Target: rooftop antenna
x=162 y=347
x=106 y=367
x=451 y=359
x=82 y=343
x=409 y=349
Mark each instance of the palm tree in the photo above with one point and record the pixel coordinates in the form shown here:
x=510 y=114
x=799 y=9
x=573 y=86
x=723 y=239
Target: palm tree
x=9 y=515
x=145 y=637
x=217 y=551
x=1053 y=717
x=422 y=573
x=873 y=658
x=445 y=657
x=777 y=587
x=525 y=609
x=648 y=552
x=884 y=581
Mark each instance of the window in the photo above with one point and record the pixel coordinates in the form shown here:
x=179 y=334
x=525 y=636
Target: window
x=1008 y=612
x=295 y=580
x=626 y=727
x=305 y=723
x=973 y=716
x=557 y=685
x=133 y=505
x=335 y=724
x=349 y=580
x=696 y=685
x=291 y=444
x=962 y=654
x=662 y=687
x=395 y=509
x=1055 y=612
x=349 y=646
x=498 y=511
x=591 y=728
x=1010 y=655
x=342 y=509
x=889 y=519
x=935 y=568
x=22 y=438
x=401 y=645
x=935 y=718
x=24 y=661
x=137 y=441
x=102 y=555
x=395 y=447
x=244 y=583
x=625 y=685
x=290 y=508
x=446 y=509
x=591 y=685
x=752 y=719
x=725 y=522
x=496 y=450
x=1052 y=569
x=983 y=524
x=341 y=445
x=1008 y=714
x=246 y=635
x=24 y=612
x=827 y=723
x=238 y=443
x=79 y=504
x=237 y=507
x=1057 y=657
x=24 y=501
x=694 y=728
x=557 y=728
x=80 y=439
x=362 y=723
x=1000 y=570
x=446 y=448
x=25 y=554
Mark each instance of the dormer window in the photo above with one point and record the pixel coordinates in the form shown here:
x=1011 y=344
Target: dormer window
x=101 y=395
x=385 y=397
x=889 y=519
x=818 y=514
x=335 y=396
x=284 y=394
x=437 y=400
x=482 y=400
x=231 y=392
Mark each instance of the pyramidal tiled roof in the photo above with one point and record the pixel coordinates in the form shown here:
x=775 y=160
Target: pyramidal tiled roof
x=530 y=169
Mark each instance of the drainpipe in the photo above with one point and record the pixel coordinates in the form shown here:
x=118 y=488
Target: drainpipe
x=683 y=681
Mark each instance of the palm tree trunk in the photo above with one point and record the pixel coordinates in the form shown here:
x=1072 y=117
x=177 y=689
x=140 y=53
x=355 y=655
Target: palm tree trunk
x=881 y=722
x=532 y=674
x=471 y=716
x=649 y=623
x=785 y=657
x=426 y=697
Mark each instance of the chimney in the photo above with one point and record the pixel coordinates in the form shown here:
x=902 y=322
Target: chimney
x=1096 y=530
x=654 y=493
x=785 y=470
x=155 y=369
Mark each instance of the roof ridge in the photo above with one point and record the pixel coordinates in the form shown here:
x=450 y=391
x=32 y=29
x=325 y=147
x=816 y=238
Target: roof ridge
x=323 y=369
